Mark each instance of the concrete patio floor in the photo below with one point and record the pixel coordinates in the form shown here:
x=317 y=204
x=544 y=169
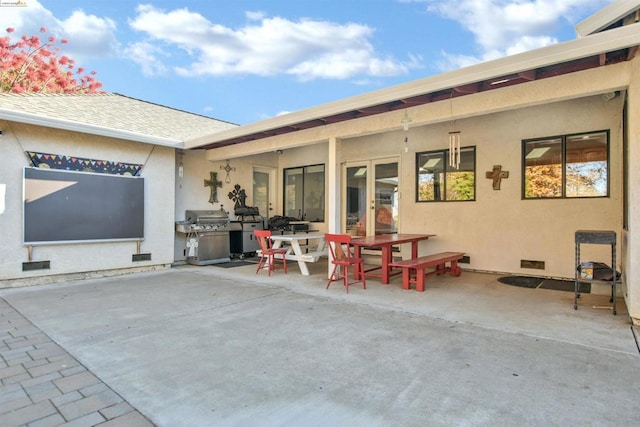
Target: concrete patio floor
x=213 y=346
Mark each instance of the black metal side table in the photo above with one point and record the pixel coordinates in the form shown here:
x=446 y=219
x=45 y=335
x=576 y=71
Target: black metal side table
x=596 y=237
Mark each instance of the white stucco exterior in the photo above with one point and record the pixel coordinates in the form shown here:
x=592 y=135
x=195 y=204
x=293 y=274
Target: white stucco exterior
x=498 y=229
x=192 y=194
x=82 y=258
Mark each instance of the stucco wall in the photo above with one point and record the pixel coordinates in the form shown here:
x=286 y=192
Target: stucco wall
x=499 y=229
x=632 y=237
x=191 y=193
x=83 y=257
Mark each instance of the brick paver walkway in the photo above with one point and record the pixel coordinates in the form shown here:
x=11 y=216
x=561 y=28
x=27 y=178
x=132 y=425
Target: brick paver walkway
x=42 y=385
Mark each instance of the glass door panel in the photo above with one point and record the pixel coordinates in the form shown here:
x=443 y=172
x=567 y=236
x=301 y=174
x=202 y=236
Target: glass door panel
x=356 y=200
x=386 y=198
x=263 y=181
x=371 y=197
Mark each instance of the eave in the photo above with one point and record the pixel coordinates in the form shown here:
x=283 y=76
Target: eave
x=57 y=123
x=608 y=17
x=597 y=50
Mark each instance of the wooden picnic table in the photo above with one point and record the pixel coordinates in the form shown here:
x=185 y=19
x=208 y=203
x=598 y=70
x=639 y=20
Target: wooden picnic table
x=386 y=242
x=295 y=251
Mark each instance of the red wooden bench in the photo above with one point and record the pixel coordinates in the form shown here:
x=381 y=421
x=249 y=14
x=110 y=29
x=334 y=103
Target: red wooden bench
x=438 y=261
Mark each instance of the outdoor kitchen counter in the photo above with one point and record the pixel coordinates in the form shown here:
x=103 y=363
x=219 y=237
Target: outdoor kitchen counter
x=207 y=236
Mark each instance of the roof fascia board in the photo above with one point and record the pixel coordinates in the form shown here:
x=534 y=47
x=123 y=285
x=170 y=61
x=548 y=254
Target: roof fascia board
x=618 y=38
x=37 y=120
x=591 y=82
x=606 y=16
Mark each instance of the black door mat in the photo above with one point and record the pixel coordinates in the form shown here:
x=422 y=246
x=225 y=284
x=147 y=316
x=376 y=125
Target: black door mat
x=565 y=285
x=522 y=281
x=232 y=264
x=542 y=283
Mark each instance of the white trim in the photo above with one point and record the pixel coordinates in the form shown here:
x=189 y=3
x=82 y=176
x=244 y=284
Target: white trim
x=34 y=119
x=618 y=38
x=606 y=16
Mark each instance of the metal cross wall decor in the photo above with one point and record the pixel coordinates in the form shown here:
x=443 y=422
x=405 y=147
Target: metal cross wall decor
x=227 y=169
x=239 y=196
x=214 y=184
x=497 y=174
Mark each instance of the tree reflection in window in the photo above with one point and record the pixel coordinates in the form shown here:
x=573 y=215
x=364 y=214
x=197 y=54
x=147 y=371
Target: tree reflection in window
x=567 y=166
x=437 y=181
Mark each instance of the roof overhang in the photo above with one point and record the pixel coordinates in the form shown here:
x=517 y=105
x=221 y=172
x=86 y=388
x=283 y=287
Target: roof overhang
x=56 y=123
x=596 y=50
x=610 y=15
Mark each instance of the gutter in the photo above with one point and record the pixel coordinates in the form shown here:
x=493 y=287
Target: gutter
x=609 y=15
x=34 y=119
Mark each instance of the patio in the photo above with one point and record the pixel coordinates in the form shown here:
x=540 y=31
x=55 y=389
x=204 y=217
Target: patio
x=224 y=346
x=475 y=298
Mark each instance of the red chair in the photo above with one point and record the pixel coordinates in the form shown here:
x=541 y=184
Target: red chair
x=267 y=252
x=343 y=258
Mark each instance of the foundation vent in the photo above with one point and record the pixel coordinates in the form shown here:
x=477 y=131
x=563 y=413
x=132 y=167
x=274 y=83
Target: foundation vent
x=36 y=265
x=140 y=257
x=536 y=265
x=465 y=260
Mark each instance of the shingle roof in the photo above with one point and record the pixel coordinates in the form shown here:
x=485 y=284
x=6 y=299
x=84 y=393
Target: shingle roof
x=114 y=112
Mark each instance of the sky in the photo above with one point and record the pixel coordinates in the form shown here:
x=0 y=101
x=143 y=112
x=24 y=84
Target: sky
x=243 y=61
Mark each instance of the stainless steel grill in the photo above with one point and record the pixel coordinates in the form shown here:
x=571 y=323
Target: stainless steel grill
x=207 y=236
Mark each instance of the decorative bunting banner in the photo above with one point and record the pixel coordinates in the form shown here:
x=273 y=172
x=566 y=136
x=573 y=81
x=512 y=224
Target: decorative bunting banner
x=56 y=161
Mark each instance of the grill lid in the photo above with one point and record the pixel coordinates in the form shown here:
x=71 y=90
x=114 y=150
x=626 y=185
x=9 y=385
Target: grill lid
x=206 y=217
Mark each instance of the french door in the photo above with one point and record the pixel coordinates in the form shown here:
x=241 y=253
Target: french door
x=370 y=197
x=263 y=194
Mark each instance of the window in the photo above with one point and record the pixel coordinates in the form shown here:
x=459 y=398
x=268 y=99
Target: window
x=304 y=193
x=439 y=182
x=568 y=166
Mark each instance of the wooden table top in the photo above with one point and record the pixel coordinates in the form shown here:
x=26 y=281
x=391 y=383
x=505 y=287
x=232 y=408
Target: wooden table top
x=389 y=239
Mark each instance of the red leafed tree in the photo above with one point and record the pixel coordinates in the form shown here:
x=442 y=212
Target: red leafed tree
x=31 y=65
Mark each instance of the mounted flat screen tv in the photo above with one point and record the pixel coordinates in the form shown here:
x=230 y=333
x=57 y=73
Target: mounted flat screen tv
x=63 y=206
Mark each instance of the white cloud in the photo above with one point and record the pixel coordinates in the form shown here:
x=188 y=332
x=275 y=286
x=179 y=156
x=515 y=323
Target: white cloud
x=451 y=61
x=146 y=55
x=255 y=16
x=87 y=35
x=307 y=49
x=27 y=20
x=507 y=27
x=90 y=35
